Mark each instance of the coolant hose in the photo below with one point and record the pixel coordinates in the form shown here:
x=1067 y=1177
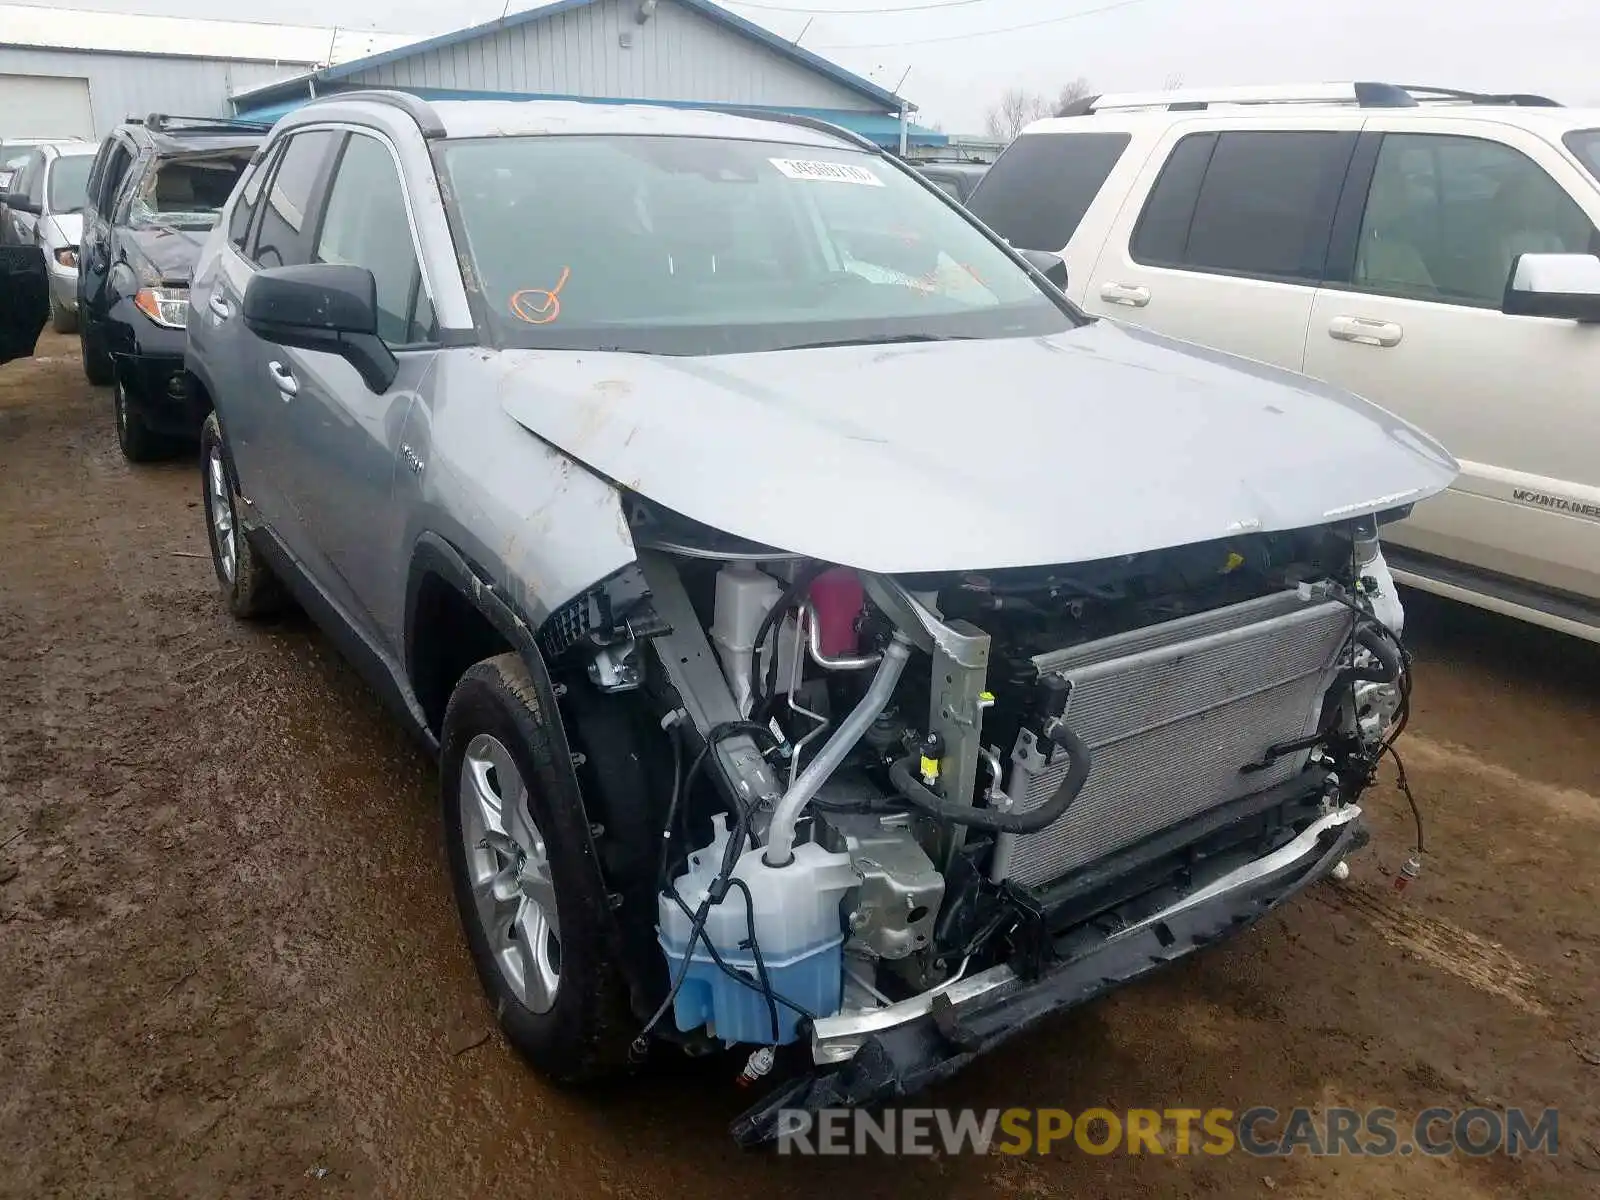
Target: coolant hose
x=780 y=837
x=1383 y=649
x=1032 y=821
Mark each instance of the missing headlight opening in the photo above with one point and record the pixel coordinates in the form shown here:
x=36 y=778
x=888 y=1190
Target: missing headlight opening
x=901 y=817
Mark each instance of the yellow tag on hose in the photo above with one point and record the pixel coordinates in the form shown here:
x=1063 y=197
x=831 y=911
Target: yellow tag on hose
x=1235 y=561
x=930 y=768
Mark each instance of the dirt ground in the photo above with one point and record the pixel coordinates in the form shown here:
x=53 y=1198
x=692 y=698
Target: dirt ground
x=229 y=964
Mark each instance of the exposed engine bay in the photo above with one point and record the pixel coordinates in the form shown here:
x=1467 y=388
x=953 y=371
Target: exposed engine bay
x=879 y=792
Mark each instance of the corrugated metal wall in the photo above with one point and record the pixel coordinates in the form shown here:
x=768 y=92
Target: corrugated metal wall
x=121 y=85
x=676 y=55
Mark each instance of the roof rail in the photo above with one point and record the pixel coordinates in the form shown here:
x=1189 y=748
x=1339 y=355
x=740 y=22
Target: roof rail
x=817 y=124
x=1366 y=95
x=167 y=123
x=1363 y=94
x=1517 y=99
x=418 y=109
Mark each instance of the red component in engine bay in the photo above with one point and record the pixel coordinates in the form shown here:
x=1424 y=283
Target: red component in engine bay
x=838 y=597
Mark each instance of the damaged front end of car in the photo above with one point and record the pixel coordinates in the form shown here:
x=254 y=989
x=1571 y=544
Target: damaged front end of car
x=898 y=818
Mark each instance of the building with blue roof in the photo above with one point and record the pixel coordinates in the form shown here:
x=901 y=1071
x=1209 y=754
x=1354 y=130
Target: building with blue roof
x=683 y=53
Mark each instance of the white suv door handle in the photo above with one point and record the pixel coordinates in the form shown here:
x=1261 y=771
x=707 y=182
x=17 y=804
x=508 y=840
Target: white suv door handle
x=287 y=383
x=219 y=306
x=1366 y=331
x=1131 y=295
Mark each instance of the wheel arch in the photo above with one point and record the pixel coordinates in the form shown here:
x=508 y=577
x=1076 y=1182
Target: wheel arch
x=440 y=575
x=439 y=572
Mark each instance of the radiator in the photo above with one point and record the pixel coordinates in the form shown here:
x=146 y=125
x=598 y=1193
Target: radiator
x=1172 y=712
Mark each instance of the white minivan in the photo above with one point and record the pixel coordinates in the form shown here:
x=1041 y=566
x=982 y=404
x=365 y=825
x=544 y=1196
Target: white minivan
x=1432 y=250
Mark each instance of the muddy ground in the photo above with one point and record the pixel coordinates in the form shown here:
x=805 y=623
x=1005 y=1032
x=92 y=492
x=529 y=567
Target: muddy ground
x=229 y=964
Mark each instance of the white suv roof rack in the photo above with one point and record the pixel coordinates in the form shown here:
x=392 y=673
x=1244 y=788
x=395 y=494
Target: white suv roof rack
x=1361 y=94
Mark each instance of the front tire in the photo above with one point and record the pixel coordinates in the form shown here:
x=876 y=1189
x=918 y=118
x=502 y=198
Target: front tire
x=135 y=439
x=526 y=884
x=98 y=368
x=249 y=588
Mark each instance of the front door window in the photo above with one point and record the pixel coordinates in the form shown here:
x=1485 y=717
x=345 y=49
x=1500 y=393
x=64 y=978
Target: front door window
x=1447 y=216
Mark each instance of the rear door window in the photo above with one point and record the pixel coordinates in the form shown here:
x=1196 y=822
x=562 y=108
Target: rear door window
x=110 y=181
x=1038 y=190
x=1261 y=204
x=1162 y=234
x=283 y=236
x=244 y=208
x=97 y=172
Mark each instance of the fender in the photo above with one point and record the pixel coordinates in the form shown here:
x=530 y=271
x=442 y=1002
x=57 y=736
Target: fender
x=198 y=369
x=432 y=554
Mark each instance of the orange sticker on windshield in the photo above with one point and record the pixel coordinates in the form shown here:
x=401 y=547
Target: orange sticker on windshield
x=540 y=306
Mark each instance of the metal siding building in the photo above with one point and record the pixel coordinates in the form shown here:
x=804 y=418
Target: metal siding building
x=123 y=85
x=600 y=49
x=678 y=52
x=118 y=65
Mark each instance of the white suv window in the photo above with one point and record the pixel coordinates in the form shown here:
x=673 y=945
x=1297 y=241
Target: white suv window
x=1041 y=186
x=1446 y=217
x=1254 y=203
x=1585 y=143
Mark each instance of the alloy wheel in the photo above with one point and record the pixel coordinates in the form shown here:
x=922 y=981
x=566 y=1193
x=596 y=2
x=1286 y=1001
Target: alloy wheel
x=221 y=497
x=509 y=870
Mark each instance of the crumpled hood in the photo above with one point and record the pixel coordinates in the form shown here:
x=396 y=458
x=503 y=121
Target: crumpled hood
x=170 y=253
x=1089 y=444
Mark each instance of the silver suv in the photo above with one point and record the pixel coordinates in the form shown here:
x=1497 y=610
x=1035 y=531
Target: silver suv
x=830 y=637
x=44 y=207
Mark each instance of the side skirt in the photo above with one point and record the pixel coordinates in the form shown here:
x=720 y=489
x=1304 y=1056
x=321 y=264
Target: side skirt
x=380 y=671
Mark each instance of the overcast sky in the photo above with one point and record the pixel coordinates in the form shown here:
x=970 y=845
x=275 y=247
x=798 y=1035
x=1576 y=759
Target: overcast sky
x=1549 y=46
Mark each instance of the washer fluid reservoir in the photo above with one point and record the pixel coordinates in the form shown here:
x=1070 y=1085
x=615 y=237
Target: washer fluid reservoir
x=799 y=928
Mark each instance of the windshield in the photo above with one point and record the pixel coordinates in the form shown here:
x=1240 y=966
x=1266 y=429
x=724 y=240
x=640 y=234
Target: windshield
x=186 y=193
x=1585 y=143
x=69 y=183
x=677 y=245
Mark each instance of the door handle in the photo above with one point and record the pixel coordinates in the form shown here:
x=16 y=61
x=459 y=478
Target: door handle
x=287 y=383
x=219 y=306
x=1365 y=331
x=1131 y=295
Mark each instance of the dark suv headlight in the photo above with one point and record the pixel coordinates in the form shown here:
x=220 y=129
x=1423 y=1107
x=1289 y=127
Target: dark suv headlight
x=168 y=306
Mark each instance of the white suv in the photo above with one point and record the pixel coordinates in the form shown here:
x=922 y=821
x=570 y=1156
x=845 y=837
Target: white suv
x=1432 y=250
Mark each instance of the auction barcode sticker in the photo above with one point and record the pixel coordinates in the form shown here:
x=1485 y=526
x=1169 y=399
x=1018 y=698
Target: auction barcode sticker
x=826 y=172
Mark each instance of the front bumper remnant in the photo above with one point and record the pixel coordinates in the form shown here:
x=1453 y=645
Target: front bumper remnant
x=873 y=1057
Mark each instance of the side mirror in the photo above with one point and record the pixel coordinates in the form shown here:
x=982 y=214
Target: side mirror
x=20 y=202
x=326 y=307
x=1052 y=266
x=1563 y=286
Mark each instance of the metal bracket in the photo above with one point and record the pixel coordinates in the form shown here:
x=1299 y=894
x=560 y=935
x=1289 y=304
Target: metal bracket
x=692 y=668
x=615 y=667
x=955 y=712
x=963 y=644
